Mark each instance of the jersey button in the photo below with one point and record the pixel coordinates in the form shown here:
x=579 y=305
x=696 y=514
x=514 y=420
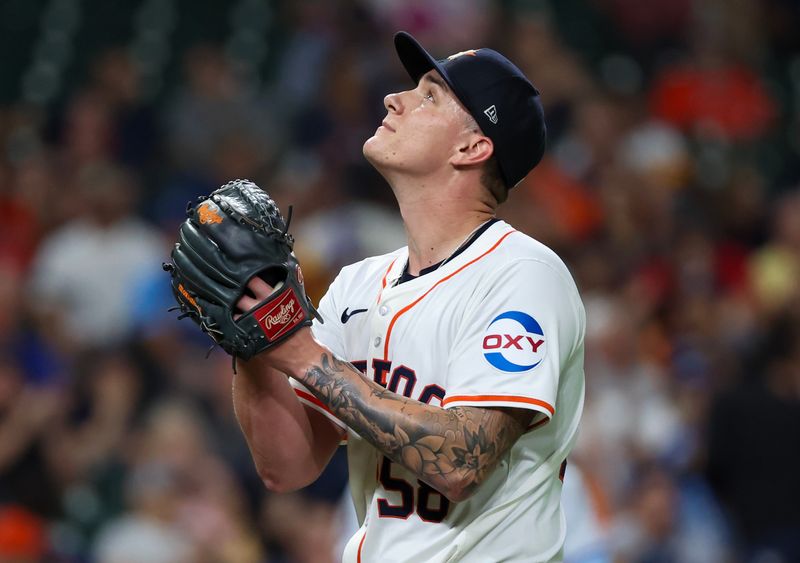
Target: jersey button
x=377 y=341
x=383 y=310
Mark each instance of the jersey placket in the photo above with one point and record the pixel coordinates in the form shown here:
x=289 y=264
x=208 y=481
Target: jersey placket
x=385 y=310
x=393 y=299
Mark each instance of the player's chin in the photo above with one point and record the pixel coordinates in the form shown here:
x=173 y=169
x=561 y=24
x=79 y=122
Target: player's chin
x=372 y=150
x=369 y=144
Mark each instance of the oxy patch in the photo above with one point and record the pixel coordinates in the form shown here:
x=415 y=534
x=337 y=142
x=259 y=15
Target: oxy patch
x=514 y=342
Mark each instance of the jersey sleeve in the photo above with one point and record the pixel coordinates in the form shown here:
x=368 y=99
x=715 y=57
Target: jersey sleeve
x=519 y=332
x=328 y=335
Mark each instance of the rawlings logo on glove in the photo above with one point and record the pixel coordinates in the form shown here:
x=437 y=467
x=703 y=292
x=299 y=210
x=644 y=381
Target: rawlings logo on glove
x=288 y=315
x=229 y=237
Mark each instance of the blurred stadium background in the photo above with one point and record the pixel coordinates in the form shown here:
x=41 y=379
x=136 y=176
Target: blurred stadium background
x=671 y=188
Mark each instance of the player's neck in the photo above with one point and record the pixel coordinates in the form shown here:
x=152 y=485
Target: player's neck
x=437 y=223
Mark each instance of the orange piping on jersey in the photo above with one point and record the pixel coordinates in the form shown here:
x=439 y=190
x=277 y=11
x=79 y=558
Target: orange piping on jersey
x=312 y=399
x=499 y=398
x=444 y=279
x=538 y=423
x=383 y=281
x=360 y=545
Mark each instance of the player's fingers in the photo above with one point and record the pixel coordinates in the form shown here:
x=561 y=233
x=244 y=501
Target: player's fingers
x=257 y=291
x=245 y=303
x=259 y=287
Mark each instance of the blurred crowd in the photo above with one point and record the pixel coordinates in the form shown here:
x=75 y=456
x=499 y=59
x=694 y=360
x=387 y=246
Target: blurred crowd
x=671 y=187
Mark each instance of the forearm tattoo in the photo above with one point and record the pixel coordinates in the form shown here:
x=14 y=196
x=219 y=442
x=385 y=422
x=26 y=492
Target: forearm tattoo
x=450 y=449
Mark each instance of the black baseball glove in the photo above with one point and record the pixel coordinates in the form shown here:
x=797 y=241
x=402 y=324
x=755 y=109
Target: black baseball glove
x=229 y=237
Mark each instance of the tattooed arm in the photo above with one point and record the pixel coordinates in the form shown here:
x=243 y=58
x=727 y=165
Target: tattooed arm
x=451 y=450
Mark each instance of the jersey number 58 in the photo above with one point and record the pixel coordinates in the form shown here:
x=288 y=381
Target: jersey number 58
x=431 y=505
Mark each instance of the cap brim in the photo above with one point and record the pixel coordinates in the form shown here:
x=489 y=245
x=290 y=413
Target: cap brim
x=416 y=60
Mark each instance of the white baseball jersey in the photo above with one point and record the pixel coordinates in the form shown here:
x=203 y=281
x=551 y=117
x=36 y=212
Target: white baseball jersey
x=500 y=324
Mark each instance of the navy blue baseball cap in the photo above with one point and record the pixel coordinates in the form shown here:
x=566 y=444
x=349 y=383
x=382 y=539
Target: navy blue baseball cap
x=496 y=93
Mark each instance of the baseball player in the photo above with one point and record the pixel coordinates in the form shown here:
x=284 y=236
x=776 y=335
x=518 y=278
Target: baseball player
x=453 y=367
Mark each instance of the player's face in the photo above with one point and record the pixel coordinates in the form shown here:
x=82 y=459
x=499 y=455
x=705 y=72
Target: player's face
x=420 y=132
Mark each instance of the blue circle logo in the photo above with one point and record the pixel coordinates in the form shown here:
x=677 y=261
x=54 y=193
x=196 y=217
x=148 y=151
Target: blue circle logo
x=514 y=342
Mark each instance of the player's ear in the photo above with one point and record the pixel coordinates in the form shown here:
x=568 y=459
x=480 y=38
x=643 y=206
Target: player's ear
x=472 y=149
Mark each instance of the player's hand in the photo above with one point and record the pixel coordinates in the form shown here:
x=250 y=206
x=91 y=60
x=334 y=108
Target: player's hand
x=286 y=352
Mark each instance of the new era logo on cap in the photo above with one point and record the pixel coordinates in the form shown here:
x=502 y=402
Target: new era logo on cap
x=491 y=113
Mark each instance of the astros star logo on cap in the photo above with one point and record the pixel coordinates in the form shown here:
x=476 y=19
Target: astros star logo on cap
x=470 y=52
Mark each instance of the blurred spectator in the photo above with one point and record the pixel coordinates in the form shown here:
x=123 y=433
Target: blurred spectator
x=775 y=268
x=646 y=25
x=307 y=531
x=305 y=55
x=445 y=25
x=116 y=78
x=213 y=106
x=559 y=208
x=18 y=233
x=88 y=132
x=85 y=270
x=216 y=129
x=147 y=532
x=535 y=44
x=11 y=305
x=753 y=459
x=714 y=94
x=656 y=150
x=630 y=414
x=666 y=523
x=185 y=503
x=107 y=394
x=27 y=413
x=22 y=536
